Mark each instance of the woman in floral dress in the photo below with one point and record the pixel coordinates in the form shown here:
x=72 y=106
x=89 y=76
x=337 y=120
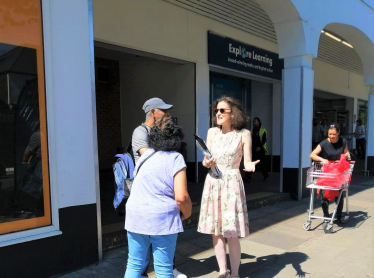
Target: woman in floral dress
x=223 y=212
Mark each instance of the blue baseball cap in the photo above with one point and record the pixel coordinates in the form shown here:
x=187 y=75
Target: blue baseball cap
x=155 y=103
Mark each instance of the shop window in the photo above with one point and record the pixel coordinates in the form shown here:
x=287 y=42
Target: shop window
x=229 y=86
x=24 y=179
x=362 y=110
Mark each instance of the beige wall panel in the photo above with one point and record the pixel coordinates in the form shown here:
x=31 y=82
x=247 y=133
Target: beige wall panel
x=149 y=25
x=332 y=79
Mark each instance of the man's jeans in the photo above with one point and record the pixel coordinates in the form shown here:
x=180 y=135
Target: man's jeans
x=163 y=254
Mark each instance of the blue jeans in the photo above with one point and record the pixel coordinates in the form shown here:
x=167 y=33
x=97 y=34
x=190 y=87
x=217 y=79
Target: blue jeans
x=163 y=249
x=148 y=261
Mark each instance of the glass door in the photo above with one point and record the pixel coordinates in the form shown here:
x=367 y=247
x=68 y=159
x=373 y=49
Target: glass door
x=326 y=117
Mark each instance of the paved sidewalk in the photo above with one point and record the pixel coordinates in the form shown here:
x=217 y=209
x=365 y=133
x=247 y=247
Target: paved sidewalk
x=278 y=246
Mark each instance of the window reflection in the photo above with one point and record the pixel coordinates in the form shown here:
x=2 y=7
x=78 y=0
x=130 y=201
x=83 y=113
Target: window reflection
x=21 y=182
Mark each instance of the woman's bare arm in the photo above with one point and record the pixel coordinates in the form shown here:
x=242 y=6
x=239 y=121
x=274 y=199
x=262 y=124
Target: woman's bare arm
x=315 y=155
x=181 y=194
x=249 y=166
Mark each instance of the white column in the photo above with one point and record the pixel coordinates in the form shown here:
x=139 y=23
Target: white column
x=202 y=112
x=277 y=131
x=355 y=112
x=370 y=133
x=297 y=107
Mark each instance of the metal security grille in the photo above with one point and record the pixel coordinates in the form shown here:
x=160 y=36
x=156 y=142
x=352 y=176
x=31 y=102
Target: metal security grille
x=338 y=54
x=242 y=14
x=250 y=17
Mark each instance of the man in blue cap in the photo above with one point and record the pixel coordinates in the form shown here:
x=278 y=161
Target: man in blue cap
x=155 y=109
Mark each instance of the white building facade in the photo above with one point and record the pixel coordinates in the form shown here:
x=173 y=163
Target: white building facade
x=287 y=61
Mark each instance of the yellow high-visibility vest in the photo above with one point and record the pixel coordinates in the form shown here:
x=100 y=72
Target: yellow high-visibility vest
x=262 y=130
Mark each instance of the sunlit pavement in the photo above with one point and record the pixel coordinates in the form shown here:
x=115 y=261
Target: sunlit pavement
x=278 y=245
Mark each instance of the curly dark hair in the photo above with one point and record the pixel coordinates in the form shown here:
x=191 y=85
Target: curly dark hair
x=240 y=119
x=165 y=136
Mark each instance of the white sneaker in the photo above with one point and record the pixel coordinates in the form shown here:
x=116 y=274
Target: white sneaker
x=178 y=274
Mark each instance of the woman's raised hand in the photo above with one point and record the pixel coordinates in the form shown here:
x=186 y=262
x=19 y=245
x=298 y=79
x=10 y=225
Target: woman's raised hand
x=250 y=166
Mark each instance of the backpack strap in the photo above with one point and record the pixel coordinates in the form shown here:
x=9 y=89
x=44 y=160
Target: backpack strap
x=141 y=164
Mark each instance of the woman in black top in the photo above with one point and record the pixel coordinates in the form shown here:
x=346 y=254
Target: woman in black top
x=330 y=149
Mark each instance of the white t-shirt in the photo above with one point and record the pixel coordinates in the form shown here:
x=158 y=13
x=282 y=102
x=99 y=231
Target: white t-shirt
x=360 y=129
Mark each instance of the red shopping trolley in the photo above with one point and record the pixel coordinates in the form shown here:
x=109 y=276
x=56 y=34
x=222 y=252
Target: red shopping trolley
x=330 y=181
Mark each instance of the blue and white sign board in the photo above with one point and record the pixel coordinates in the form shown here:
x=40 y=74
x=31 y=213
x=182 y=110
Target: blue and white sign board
x=229 y=53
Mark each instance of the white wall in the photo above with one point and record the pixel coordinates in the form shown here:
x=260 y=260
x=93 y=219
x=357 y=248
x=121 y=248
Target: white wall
x=144 y=78
x=70 y=102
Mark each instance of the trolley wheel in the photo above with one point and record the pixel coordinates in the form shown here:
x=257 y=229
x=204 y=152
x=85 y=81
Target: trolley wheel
x=307 y=225
x=328 y=229
x=344 y=219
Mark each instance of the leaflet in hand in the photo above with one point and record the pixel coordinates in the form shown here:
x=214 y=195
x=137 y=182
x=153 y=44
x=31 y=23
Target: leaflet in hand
x=201 y=145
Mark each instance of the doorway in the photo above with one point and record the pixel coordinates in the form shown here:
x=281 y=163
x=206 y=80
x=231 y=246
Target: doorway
x=125 y=79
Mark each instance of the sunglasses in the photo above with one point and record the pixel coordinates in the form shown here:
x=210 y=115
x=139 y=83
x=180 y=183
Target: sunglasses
x=334 y=126
x=222 y=111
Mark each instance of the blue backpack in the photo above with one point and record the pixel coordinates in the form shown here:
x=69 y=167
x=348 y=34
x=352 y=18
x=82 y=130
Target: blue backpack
x=123 y=170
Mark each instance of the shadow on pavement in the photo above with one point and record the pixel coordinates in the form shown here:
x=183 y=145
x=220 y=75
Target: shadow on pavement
x=271 y=264
x=356 y=218
x=276 y=263
x=201 y=267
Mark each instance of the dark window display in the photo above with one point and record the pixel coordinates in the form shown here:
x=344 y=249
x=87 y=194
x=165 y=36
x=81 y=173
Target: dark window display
x=24 y=185
x=21 y=181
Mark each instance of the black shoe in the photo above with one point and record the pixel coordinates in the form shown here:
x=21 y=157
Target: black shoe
x=338 y=220
x=246 y=179
x=338 y=216
x=327 y=216
x=266 y=176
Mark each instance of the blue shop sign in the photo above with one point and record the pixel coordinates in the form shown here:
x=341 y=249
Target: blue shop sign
x=229 y=53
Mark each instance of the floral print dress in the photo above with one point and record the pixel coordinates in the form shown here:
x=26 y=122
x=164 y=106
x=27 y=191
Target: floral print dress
x=223 y=206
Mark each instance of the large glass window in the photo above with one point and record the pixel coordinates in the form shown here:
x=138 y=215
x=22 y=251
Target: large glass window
x=24 y=182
